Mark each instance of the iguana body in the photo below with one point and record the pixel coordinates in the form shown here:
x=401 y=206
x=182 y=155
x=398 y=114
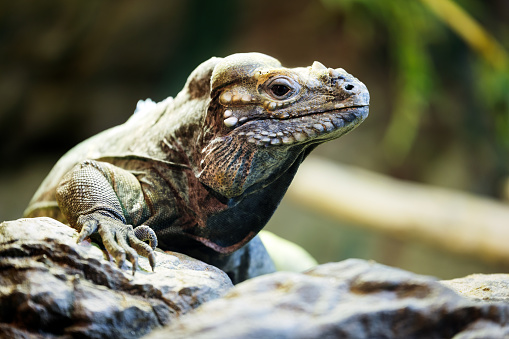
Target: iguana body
x=206 y=170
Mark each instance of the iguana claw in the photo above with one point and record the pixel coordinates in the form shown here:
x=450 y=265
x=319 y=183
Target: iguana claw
x=144 y=233
x=120 y=240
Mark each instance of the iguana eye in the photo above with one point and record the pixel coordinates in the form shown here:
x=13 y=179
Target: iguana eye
x=281 y=88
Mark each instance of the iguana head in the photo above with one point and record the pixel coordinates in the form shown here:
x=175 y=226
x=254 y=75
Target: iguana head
x=261 y=117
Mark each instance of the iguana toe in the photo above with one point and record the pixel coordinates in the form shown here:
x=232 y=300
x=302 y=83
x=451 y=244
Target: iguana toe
x=146 y=233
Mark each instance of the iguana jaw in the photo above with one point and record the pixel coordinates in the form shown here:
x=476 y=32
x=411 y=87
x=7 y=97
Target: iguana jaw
x=262 y=149
x=305 y=128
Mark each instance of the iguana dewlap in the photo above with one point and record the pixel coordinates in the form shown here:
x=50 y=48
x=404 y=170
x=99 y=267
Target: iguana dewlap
x=206 y=170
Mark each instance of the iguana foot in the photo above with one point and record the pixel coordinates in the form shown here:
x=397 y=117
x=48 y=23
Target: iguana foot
x=119 y=239
x=143 y=233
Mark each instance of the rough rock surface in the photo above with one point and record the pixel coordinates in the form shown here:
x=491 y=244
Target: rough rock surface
x=350 y=299
x=52 y=287
x=248 y=262
x=492 y=287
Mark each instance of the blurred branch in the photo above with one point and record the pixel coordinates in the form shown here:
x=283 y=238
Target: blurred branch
x=456 y=221
x=470 y=31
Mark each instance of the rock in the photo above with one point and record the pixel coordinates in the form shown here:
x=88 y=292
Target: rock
x=350 y=299
x=54 y=288
x=248 y=262
x=490 y=287
x=51 y=287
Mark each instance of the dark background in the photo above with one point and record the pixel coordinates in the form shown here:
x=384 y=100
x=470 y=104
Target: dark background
x=439 y=103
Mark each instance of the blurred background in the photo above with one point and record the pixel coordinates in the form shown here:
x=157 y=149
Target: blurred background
x=437 y=71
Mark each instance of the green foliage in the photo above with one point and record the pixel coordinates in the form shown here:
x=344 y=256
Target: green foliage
x=494 y=92
x=415 y=31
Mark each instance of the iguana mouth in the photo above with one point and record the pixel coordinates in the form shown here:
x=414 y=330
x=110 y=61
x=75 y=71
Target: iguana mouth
x=316 y=126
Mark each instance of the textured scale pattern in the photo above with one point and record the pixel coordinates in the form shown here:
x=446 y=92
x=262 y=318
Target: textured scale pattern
x=86 y=190
x=202 y=173
x=89 y=192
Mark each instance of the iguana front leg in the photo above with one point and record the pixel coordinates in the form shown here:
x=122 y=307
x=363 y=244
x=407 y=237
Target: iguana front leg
x=97 y=196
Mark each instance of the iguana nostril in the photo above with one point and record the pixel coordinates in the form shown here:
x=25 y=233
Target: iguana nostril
x=349 y=87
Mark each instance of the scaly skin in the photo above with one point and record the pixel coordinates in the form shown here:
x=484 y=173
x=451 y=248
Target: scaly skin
x=206 y=170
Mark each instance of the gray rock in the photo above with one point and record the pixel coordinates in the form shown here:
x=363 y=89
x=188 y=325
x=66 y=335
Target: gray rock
x=488 y=287
x=350 y=299
x=248 y=262
x=54 y=288
x=51 y=287
x=483 y=329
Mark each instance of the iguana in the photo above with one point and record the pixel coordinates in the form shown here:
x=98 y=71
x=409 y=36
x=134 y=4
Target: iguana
x=201 y=173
